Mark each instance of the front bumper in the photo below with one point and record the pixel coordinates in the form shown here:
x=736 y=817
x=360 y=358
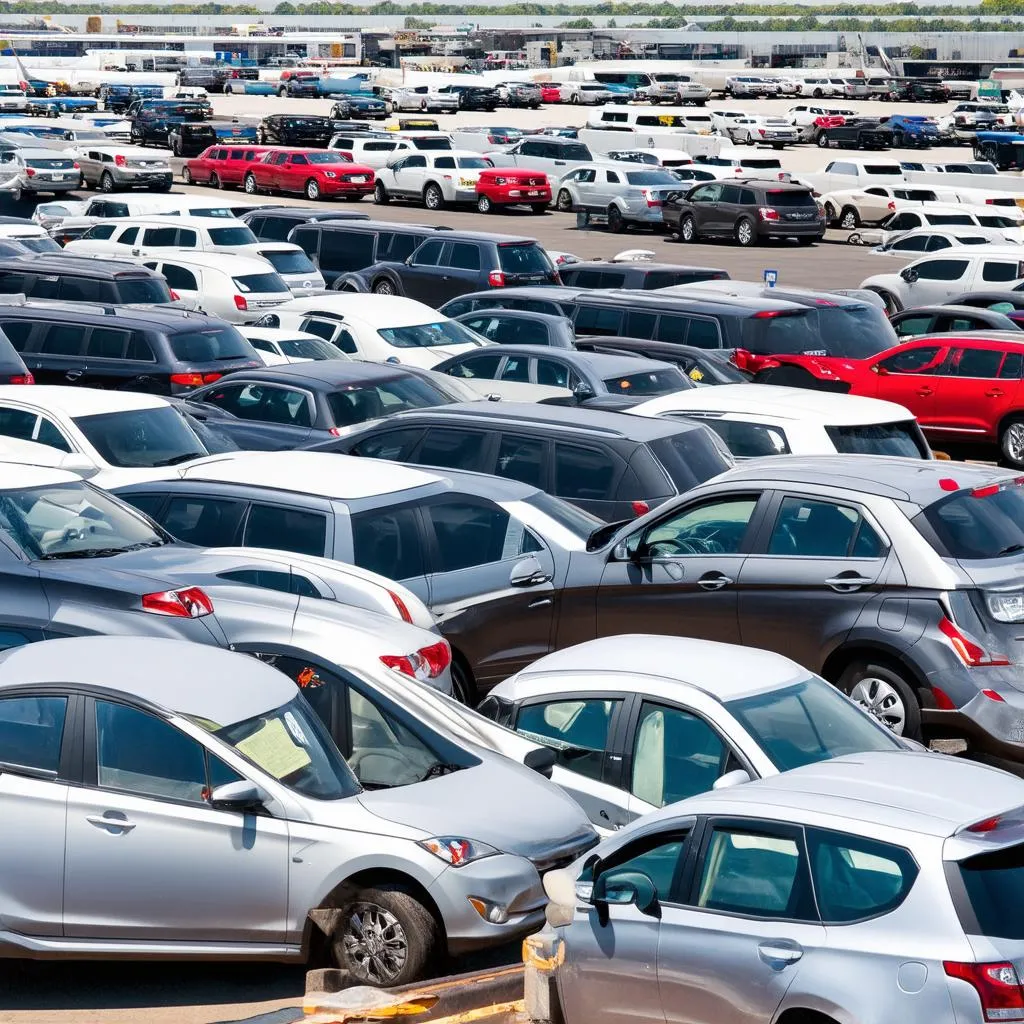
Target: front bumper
x=522 y=195
x=143 y=178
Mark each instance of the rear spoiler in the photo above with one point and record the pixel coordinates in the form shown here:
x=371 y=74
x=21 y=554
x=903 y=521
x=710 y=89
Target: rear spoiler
x=997 y=832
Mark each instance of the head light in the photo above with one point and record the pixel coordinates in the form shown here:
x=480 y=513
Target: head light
x=457 y=851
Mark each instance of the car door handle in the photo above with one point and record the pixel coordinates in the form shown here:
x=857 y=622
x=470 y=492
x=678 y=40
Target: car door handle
x=714 y=581
x=119 y=824
x=848 y=582
x=73 y=374
x=779 y=953
x=995 y=393
x=925 y=392
x=541 y=602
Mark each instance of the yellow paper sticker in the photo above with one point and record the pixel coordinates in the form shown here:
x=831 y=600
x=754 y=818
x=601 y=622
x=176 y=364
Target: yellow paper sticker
x=274 y=750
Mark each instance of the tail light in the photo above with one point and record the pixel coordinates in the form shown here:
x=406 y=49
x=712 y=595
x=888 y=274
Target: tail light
x=21 y=378
x=240 y=302
x=745 y=360
x=972 y=654
x=74 y=166
x=195 y=380
x=30 y=172
x=651 y=198
x=120 y=161
x=496 y=279
x=403 y=609
x=640 y=508
x=997 y=985
x=767 y=213
x=426 y=663
x=175 y=297
x=501 y=181
x=189 y=603
x=892 y=206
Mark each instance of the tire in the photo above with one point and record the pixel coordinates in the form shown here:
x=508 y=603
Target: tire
x=563 y=203
x=384 y=286
x=575 y=98
x=817 y=94
x=746 y=235
x=892 y=304
x=849 y=218
x=215 y=181
x=899 y=140
x=250 y=185
x=885 y=694
x=106 y=182
x=433 y=197
x=539 y=208
x=380 y=195
x=807 y=241
x=484 y=205
x=830 y=213
x=186 y=176
x=616 y=225
x=312 y=190
x=404 y=937
x=1011 y=442
x=822 y=140
x=687 y=229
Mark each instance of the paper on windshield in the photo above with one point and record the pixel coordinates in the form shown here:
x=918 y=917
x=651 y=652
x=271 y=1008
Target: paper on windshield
x=274 y=750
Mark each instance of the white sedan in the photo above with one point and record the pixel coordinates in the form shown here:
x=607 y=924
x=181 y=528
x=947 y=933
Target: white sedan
x=760 y=419
x=277 y=347
x=760 y=130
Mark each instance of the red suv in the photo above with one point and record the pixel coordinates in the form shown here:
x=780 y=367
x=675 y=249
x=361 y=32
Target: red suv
x=221 y=166
x=512 y=186
x=964 y=388
x=315 y=173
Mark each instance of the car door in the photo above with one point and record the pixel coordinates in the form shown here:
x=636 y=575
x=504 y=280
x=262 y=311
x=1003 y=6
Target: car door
x=911 y=377
x=142 y=822
x=36 y=737
x=676 y=573
x=584 y=182
x=804 y=587
x=410 y=174
x=977 y=386
x=703 y=202
x=610 y=973
x=424 y=275
x=934 y=281
x=749 y=902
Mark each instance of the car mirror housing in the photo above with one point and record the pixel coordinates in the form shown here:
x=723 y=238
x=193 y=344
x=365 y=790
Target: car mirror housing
x=528 y=573
x=627 y=888
x=244 y=796
x=582 y=391
x=730 y=779
x=909 y=274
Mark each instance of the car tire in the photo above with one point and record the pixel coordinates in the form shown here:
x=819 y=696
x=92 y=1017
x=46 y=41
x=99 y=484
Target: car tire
x=817 y=94
x=687 y=230
x=312 y=190
x=616 y=225
x=186 y=176
x=1011 y=442
x=176 y=148
x=899 y=140
x=250 y=185
x=539 y=208
x=822 y=140
x=884 y=692
x=404 y=937
x=849 y=218
x=380 y=195
x=106 y=182
x=384 y=286
x=433 y=197
x=215 y=181
x=892 y=304
x=484 y=205
x=564 y=201
x=746 y=233
x=830 y=213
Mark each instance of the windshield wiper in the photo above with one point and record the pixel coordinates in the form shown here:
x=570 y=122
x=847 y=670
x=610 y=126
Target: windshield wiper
x=438 y=769
x=174 y=460
x=103 y=552
x=1011 y=549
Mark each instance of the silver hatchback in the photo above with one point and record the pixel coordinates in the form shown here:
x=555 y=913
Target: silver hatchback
x=871 y=889
x=623 y=194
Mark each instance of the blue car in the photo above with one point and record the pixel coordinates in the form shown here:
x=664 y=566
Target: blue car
x=1004 y=149
x=235 y=132
x=912 y=130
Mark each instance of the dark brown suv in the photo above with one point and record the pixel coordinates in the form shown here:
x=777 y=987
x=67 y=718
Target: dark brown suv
x=748 y=211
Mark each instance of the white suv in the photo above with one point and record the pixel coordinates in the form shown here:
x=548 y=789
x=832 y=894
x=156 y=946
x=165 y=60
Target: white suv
x=133 y=236
x=433 y=178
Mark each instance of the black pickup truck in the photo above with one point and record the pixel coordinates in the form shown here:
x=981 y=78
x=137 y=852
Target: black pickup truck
x=855 y=133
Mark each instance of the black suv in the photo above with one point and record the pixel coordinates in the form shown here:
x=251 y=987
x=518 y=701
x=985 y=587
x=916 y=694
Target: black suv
x=638 y=274
x=341 y=248
x=82 y=279
x=295 y=130
x=275 y=223
x=613 y=466
x=152 y=124
x=190 y=138
x=452 y=263
x=160 y=351
x=748 y=210
x=212 y=77
x=474 y=97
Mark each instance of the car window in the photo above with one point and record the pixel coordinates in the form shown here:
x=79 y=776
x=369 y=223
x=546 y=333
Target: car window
x=716 y=527
x=290 y=529
x=179 y=278
x=264 y=403
x=388 y=542
x=578 y=731
x=521 y=458
x=31 y=729
x=598 y=320
x=973 y=362
x=516 y=368
x=857 y=878
x=554 y=373
x=911 y=325
x=755 y=873
x=391 y=444
x=206 y=522
x=924 y=359
x=822 y=529
x=106 y=343
x=472 y=533
x=83 y=289
x=17 y=423
x=658 y=856
x=583 y=473
x=916 y=243
x=463 y=256
x=1012 y=367
x=159 y=236
x=675 y=755
x=479 y=367
x=49 y=435
x=941 y=270
x=747 y=440
x=63 y=340
x=453 y=449
x=429 y=253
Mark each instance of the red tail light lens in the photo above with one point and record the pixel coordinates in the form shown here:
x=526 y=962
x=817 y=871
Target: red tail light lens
x=972 y=654
x=426 y=663
x=175 y=297
x=997 y=985
x=640 y=508
x=496 y=279
x=30 y=171
x=187 y=380
x=21 y=378
x=75 y=166
x=190 y=603
x=240 y=302
x=651 y=198
x=767 y=213
x=120 y=161
x=403 y=609
x=210 y=378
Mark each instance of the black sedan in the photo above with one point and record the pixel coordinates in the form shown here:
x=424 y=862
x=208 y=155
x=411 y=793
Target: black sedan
x=703 y=366
x=283 y=407
x=359 y=106
x=295 y=130
x=519 y=327
x=152 y=125
x=190 y=138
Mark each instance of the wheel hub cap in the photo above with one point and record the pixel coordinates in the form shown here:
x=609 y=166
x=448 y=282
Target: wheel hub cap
x=1014 y=442
x=881 y=700
x=375 y=943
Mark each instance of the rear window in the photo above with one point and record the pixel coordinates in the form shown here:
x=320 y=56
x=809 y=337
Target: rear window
x=524 y=258
x=902 y=438
x=50 y=165
x=573 y=152
x=971 y=526
x=218 y=343
x=760 y=164
x=691 y=457
x=284 y=261
x=326 y=158
x=651 y=178
x=650 y=382
x=854 y=332
x=141 y=290
x=432 y=144
x=790 y=199
x=232 y=236
x=995 y=887
x=247 y=283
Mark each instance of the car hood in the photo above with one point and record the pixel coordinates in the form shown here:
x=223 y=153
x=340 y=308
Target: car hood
x=498 y=802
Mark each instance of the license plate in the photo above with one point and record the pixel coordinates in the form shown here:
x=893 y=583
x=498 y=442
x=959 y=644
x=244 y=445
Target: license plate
x=533 y=192
x=359 y=179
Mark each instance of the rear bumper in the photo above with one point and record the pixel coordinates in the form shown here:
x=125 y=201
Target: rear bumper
x=346 y=188
x=811 y=229
x=994 y=727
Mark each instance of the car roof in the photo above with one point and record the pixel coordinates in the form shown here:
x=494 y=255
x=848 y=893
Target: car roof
x=601 y=363
x=319 y=373
x=515 y=314
x=194 y=222
x=690 y=298
x=757 y=290
x=61 y=263
x=551 y=293
x=188 y=678
x=16 y=475
x=228 y=262
x=641 y=266
x=161 y=319
x=798 y=404
x=323 y=474
x=79 y=401
x=952 y=308
x=42 y=152
x=380 y=310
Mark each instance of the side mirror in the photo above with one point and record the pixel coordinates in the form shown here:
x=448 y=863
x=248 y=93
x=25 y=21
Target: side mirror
x=541 y=760
x=528 y=573
x=582 y=392
x=626 y=888
x=880 y=370
x=244 y=797
x=79 y=464
x=730 y=779
x=909 y=274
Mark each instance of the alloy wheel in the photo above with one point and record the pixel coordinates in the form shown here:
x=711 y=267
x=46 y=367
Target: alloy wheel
x=375 y=943
x=881 y=700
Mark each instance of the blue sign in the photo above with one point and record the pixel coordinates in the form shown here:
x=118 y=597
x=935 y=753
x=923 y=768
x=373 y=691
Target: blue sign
x=770 y=278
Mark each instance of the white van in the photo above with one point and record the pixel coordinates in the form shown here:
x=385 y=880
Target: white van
x=601 y=141
x=737 y=162
x=641 y=117
x=378 y=151
x=141 y=236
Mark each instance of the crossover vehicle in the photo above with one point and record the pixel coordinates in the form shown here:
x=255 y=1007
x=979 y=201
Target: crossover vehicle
x=519 y=94
x=190 y=138
x=500 y=187
x=271 y=223
x=757 y=130
x=473 y=97
x=624 y=195
x=112 y=168
x=520 y=327
x=910 y=130
x=553 y=155
x=587 y=93
x=853 y=133
x=294 y=130
x=315 y=173
x=608 y=466
x=221 y=166
x=81 y=279
x=851 y=207
x=435 y=179
x=38 y=170
x=135 y=236
x=949 y=319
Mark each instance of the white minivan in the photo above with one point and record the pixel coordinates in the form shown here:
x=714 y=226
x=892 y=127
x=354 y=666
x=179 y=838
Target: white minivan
x=134 y=236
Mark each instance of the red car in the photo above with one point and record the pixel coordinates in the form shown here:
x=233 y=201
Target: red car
x=221 y=166
x=512 y=186
x=315 y=173
x=550 y=92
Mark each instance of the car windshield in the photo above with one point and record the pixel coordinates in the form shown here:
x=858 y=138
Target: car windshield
x=40 y=245
x=285 y=261
x=73 y=520
x=978 y=524
x=310 y=348
x=141 y=437
x=790 y=198
x=807 y=722
x=290 y=744
x=579 y=523
x=142 y=290
x=210 y=345
x=362 y=402
x=651 y=178
x=902 y=438
x=326 y=158
x=444 y=332
x=232 y=236
x=649 y=382
x=272 y=282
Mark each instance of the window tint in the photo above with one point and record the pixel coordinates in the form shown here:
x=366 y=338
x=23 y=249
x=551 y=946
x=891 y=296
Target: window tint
x=672 y=328
x=63 y=340
x=714 y=528
x=856 y=878
x=598 y=320
x=179 y=278
x=521 y=458
x=523 y=258
x=82 y=289
x=264 y=403
x=269 y=579
x=749 y=440
x=576 y=730
x=924 y=359
x=516 y=368
x=995 y=887
x=429 y=253
x=392 y=444
x=105 y=343
x=17 y=332
x=387 y=541
x=471 y=533
x=753 y=873
x=675 y=755
x=941 y=270
x=399 y=248
x=554 y=373
x=974 y=362
x=463 y=256
x=343 y=251
x=454 y=449
x=983 y=526
x=880 y=439
x=657 y=857
x=139 y=753
x=1012 y=366
x=640 y=325
x=207 y=522
x=480 y=367
x=48 y=434
x=160 y=236
x=996 y=270
x=17 y=423
x=583 y=473
x=271 y=526
x=31 y=728
x=823 y=530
